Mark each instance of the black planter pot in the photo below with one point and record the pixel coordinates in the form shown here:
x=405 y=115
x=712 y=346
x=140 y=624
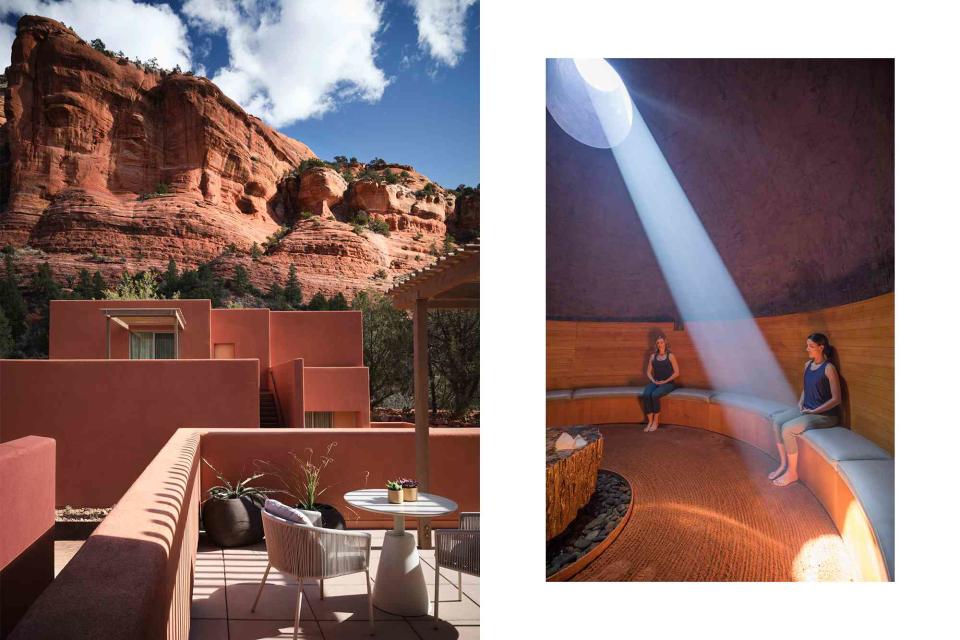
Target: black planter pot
x=232 y=523
x=324 y=515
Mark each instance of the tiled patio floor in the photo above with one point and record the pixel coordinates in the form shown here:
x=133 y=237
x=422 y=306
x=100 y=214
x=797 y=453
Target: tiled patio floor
x=226 y=582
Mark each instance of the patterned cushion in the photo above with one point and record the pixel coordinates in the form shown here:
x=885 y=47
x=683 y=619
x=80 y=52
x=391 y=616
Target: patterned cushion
x=559 y=394
x=872 y=483
x=276 y=508
x=768 y=408
x=607 y=392
x=839 y=444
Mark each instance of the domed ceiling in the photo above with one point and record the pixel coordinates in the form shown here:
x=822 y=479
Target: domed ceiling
x=788 y=163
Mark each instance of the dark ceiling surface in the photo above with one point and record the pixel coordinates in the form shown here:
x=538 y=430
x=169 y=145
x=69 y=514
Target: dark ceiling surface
x=788 y=163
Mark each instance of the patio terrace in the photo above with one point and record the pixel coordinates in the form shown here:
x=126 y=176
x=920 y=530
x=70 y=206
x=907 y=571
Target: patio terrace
x=146 y=573
x=226 y=581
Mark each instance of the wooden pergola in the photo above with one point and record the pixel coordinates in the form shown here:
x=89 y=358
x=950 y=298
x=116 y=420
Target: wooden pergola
x=452 y=282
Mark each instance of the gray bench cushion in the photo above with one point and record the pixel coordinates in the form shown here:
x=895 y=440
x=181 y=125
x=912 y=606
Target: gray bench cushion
x=607 y=392
x=559 y=394
x=769 y=408
x=838 y=444
x=872 y=483
x=691 y=394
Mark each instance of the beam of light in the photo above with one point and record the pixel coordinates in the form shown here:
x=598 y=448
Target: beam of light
x=573 y=87
x=732 y=349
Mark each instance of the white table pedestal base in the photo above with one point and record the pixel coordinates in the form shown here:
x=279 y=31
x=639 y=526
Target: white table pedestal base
x=400 y=588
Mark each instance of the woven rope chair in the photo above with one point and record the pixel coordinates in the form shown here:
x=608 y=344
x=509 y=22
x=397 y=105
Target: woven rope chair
x=457 y=549
x=305 y=552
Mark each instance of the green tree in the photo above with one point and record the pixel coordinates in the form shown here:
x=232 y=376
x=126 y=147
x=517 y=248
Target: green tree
x=292 y=292
x=255 y=251
x=241 y=281
x=11 y=299
x=387 y=346
x=202 y=283
x=339 y=303
x=6 y=338
x=170 y=280
x=99 y=286
x=318 y=303
x=454 y=346
x=275 y=298
x=139 y=286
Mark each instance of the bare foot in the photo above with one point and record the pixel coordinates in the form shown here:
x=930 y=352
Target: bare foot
x=778 y=472
x=647 y=428
x=788 y=478
x=655 y=424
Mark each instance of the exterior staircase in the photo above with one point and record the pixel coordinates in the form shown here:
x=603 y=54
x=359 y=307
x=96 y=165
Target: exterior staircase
x=269 y=416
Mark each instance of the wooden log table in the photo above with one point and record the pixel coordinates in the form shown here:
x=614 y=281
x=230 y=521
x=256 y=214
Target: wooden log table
x=571 y=476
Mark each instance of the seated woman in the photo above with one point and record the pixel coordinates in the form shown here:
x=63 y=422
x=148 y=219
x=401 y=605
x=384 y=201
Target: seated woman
x=818 y=407
x=662 y=369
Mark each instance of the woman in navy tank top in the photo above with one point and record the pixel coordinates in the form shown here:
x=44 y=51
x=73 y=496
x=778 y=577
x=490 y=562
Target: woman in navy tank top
x=662 y=369
x=818 y=407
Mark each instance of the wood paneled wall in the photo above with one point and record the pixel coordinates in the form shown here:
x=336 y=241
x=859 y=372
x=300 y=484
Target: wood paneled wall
x=600 y=354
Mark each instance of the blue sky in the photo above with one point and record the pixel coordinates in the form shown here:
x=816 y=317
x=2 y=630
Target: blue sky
x=397 y=79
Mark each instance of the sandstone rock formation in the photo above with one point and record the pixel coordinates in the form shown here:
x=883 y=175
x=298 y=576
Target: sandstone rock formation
x=108 y=166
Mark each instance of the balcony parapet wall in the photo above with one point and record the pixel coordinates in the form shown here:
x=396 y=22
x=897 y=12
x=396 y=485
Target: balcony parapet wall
x=110 y=418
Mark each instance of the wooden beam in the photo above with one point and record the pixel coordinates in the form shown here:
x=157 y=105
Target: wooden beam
x=429 y=285
x=420 y=404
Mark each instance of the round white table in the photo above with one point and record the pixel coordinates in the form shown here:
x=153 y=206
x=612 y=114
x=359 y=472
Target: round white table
x=400 y=587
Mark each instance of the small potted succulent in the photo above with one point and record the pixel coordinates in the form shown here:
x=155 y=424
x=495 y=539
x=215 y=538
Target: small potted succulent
x=409 y=489
x=394 y=492
x=231 y=512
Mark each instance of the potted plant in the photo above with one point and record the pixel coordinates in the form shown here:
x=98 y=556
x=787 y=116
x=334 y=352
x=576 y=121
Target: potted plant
x=303 y=484
x=409 y=489
x=231 y=512
x=394 y=492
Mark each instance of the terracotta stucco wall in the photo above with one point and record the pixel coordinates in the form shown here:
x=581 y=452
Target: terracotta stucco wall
x=788 y=164
x=27 y=482
x=110 y=418
x=78 y=328
x=288 y=377
x=384 y=453
x=330 y=339
x=248 y=330
x=338 y=389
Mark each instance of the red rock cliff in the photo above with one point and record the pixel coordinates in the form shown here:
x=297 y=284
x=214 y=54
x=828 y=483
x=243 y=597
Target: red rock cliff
x=90 y=143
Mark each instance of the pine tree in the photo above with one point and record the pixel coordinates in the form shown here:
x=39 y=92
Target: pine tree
x=170 y=280
x=292 y=292
x=11 y=300
x=339 y=303
x=99 y=286
x=318 y=303
x=6 y=338
x=241 y=280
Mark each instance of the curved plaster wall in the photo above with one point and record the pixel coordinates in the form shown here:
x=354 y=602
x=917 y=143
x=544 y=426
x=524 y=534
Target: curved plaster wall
x=788 y=163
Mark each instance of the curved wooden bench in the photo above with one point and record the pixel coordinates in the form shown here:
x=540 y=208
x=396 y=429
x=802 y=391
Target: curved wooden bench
x=853 y=479
x=851 y=476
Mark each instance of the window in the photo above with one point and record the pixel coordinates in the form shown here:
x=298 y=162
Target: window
x=146 y=345
x=318 y=419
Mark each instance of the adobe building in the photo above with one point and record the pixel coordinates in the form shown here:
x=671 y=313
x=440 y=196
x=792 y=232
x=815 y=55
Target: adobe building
x=145 y=368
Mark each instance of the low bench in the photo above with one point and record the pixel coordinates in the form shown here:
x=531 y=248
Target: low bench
x=851 y=476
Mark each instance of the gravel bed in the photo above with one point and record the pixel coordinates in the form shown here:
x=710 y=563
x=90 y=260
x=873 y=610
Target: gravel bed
x=593 y=524
x=81 y=514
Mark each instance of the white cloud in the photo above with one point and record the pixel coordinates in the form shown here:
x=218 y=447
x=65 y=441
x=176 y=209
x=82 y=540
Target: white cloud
x=7 y=34
x=139 y=30
x=441 y=28
x=295 y=59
